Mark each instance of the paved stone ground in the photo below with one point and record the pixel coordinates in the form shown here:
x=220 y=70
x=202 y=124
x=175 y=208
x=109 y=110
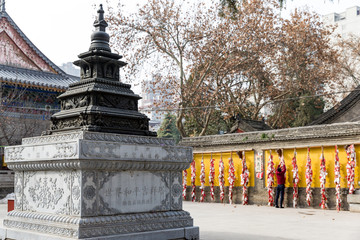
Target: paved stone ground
x=223 y=221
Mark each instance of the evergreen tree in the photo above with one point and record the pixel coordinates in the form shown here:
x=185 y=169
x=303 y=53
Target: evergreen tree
x=168 y=128
x=300 y=110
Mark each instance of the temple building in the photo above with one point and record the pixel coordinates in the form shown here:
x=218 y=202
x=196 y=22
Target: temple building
x=247 y=125
x=347 y=110
x=29 y=84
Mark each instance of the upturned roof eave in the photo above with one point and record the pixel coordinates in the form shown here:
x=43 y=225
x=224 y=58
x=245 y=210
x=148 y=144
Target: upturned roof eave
x=350 y=100
x=6 y=73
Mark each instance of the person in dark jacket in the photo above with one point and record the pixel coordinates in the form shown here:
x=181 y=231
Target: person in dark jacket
x=280 y=175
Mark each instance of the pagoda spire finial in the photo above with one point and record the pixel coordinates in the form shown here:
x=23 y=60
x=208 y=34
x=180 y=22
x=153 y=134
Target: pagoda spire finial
x=99 y=38
x=2 y=5
x=100 y=24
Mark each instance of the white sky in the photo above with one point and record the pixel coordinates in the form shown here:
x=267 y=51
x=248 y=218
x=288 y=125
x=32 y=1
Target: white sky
x=61 y=29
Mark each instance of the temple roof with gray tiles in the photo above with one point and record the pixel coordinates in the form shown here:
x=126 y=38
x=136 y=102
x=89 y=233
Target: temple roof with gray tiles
x=280 y=135
x=338 y=110
x=36 y=78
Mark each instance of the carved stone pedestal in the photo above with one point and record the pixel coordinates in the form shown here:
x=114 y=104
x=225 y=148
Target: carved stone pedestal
x=91 y=185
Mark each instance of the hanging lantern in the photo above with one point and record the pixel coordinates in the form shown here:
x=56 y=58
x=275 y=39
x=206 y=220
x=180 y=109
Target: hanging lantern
x=350 y=168
x=337 y=179
x=184 y=184
x=244 y=177
x=221 y=179
x=323 y=173
x=212 y=178
x=193 y=177
x=202 y=179
x=270 y=180
x=308 y=176
x=295 y=171
x=231 y=178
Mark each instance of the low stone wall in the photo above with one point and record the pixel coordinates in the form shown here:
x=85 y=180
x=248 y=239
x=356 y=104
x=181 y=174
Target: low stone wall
x=260 y=197
x=315 y=138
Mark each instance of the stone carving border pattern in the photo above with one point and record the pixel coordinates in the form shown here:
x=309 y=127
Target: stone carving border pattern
x=14 y=153
x=66 y=177
x=103 y=165
x=93 y=231
x=66 y=150
x=27 y=176
x=19 y=183
x=67 y=232
x=130 y=228
x=176 y=190
x=89 y=192
x=54 y=138
x=97 y=221
x=75 y=192
x=120 y=138
x=108 y=150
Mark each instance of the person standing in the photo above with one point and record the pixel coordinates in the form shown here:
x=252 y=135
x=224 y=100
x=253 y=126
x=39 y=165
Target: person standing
x=280 y=190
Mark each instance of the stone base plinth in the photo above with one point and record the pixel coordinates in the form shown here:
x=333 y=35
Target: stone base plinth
x=354 y=201
x=86 y=185
x=180 y=233
x=164 y=225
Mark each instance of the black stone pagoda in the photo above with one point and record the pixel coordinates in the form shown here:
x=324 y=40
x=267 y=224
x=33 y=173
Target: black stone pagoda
x=99 y=101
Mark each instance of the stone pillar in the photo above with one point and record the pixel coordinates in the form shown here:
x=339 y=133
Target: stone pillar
x=86 y=185
x=259 y=193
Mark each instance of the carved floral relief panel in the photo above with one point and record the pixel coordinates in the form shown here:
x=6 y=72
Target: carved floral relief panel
x=47 y=191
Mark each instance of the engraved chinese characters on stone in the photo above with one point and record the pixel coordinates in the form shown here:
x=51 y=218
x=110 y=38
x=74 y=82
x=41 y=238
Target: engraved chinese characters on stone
x=136 y=191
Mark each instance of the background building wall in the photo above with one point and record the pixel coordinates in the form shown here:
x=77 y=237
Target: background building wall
x=249 y=155
x=339 y=134
x=347 y=22
x=315 y=154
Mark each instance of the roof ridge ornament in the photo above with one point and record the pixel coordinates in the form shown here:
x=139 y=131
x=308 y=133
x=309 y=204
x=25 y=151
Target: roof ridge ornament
x=2 y=5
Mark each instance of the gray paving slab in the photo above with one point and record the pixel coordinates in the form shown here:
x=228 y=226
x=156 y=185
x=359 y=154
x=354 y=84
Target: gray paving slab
x=224 y=221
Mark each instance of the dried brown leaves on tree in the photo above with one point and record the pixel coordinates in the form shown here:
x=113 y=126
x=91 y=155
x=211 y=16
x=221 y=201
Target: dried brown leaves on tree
x=307 y=65
x=237 y=65
x=175 y=40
